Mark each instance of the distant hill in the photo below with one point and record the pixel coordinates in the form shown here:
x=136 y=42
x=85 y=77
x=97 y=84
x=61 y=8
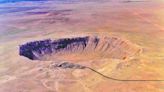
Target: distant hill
x=12 y=1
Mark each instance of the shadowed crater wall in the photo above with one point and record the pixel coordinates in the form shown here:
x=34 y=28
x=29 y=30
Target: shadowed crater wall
x=111 y=47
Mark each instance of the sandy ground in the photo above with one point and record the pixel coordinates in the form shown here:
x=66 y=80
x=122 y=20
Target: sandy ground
x=141 y=23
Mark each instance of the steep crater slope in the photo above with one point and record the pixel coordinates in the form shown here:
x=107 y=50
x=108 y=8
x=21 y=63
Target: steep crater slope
x=110 y=47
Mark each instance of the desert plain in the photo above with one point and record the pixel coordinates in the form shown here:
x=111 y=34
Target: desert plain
x=137 y=54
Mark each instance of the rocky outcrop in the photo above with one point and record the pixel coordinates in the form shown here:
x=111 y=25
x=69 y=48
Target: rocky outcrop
x=110 y=47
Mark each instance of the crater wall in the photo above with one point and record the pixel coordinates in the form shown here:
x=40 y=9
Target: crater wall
x=111 y=47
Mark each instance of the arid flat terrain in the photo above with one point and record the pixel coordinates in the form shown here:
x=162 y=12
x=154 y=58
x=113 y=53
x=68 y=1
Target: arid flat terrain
x=121 y=39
